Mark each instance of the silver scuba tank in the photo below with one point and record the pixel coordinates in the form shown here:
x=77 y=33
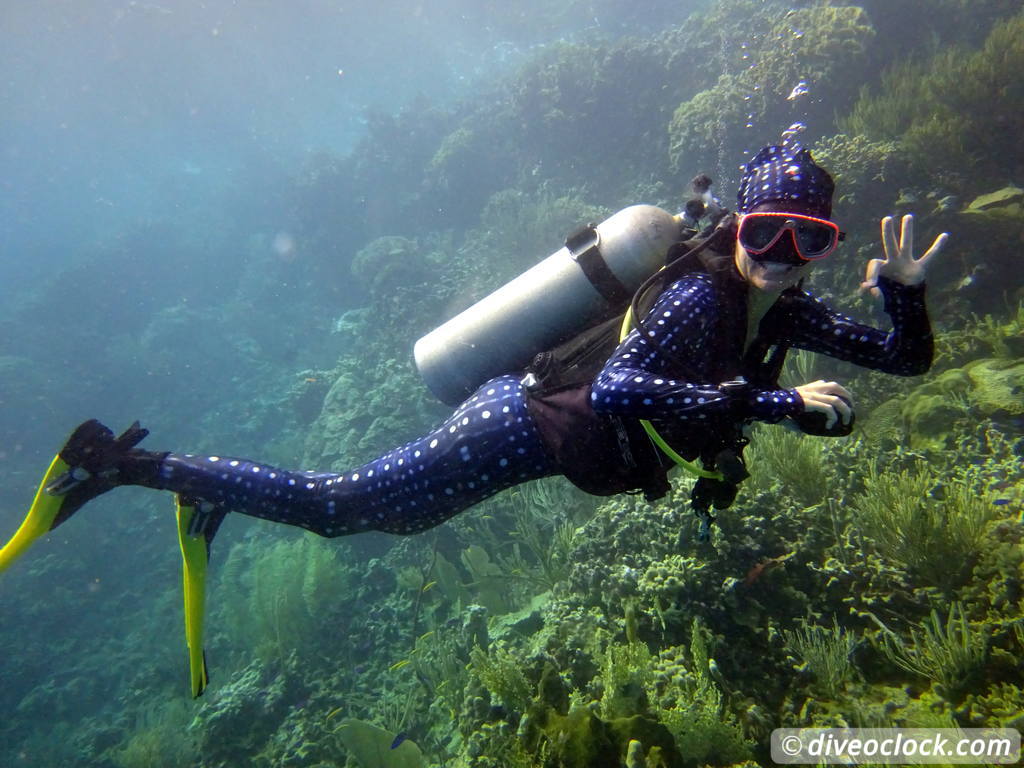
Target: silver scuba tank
x=581 y=284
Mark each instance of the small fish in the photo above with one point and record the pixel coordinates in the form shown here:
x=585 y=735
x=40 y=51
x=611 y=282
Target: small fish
x=429 y=585
x=399 y=739
x=1001 y=502
x=333 y=712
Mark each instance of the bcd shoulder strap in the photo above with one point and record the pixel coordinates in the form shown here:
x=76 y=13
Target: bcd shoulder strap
x=578 y=360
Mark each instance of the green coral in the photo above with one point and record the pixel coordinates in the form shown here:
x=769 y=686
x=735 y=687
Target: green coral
x=543 y=526
x=958 y=110
x=626 y=673
x=950 y=653
x=518 y=228
x=997 y=386
x=814 y=44
x=860 y=168
x=811 y=44
x=825 y=652
x=789 y=462
x=936 y=540
x=388 y=263
x=695 y=714
x=980 y=337
x=285 y=593
x=501 y=673
x=161 y=739
x=702 y=126
x=933 y=412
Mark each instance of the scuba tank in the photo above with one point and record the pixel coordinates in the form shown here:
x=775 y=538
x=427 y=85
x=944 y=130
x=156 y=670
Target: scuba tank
x=587 y=281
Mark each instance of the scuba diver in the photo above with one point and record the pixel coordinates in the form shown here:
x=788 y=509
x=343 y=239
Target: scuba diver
x=695 y=360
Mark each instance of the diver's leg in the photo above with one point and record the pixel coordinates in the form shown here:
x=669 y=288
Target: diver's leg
x=488 y=444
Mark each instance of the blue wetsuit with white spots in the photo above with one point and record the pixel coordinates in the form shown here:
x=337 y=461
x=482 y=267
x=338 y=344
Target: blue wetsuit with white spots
x=488 y=444
x=636 y=380
x=491 y=441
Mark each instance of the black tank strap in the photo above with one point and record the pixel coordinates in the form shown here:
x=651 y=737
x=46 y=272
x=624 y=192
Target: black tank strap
x=583 y=246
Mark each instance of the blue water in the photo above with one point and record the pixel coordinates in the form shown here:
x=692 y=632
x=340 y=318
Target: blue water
x=184 y=190
x=153 y=157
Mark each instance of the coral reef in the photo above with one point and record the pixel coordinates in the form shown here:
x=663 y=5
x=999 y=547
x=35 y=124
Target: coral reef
x=953 y=113
x=871 y=580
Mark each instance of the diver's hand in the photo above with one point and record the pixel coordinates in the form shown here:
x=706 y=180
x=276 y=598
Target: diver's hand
x=899 y=263
x=829 y=398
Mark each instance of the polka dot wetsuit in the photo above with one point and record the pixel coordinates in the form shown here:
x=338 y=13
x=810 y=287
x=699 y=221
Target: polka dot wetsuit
x=491 y=442
x=636 y=380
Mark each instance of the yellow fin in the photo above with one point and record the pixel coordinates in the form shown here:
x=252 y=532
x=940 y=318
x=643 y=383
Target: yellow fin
x=194 y=556
x=39 y=519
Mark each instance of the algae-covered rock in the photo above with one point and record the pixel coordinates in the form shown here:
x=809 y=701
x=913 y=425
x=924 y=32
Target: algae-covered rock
x=389 y=262
x=988 y=387
x=375 y=747
x=1007 y=202
x=997 y=385
x=930 y=418
x=583 y=740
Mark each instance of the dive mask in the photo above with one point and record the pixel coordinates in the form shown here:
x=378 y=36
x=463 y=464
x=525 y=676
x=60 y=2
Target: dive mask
x=813 y=238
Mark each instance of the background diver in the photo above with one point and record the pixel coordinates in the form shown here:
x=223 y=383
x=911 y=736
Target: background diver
x=704 y=363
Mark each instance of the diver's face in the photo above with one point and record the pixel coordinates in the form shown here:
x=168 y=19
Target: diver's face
x=769 y=276
x=780 y=267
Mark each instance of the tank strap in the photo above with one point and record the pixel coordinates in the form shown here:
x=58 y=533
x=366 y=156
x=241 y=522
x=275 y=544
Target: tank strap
x=584 y=248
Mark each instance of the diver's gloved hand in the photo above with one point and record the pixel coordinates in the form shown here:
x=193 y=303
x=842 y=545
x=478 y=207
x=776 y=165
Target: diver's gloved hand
x=828 y=406
x=899 y=263
x=97 y=462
